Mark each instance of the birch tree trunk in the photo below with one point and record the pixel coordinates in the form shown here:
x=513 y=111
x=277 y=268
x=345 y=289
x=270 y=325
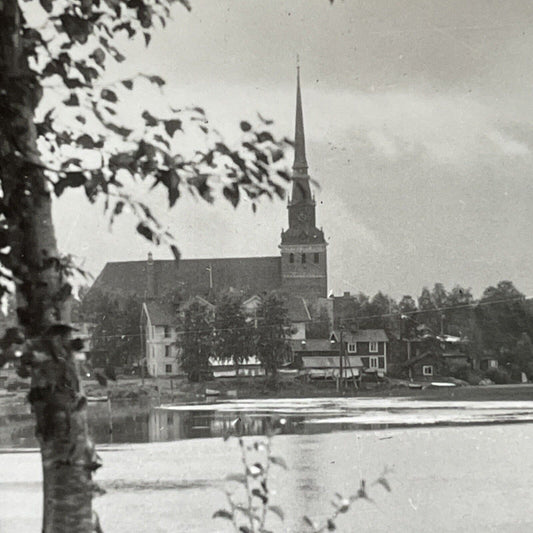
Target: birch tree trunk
x=68 y=456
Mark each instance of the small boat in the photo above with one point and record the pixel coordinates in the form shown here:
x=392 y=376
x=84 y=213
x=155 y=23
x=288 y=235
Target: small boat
x=212 y=392
x=442 y=384
x=415 y=385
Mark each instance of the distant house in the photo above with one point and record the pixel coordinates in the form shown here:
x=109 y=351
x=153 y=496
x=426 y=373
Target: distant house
x=158 y=327
x=435 y=356
x=364 y=351
x=369 y=348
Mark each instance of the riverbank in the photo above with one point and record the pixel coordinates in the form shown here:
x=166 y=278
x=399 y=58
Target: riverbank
x=181 y=391
x=178 y=390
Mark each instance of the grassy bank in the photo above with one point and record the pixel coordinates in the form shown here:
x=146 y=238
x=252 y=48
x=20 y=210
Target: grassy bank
x=181 y=391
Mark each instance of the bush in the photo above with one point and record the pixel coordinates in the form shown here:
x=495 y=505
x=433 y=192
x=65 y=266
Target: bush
x=466 y=373
x=498 y=376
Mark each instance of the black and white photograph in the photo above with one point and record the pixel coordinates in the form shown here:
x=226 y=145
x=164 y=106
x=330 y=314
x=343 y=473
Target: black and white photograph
x=265 y=266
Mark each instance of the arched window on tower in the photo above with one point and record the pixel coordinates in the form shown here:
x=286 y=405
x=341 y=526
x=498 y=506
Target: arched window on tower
x=291 y=258
x=317 y=257
x=303 y=258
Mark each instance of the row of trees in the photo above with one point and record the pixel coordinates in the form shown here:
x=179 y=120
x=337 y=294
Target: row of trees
x=499 y=324
x=227 y=332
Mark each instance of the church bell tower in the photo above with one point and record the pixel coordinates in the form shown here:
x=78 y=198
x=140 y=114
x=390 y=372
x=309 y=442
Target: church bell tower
x=303 y=246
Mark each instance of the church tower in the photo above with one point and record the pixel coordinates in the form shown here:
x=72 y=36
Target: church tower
x=303 y=246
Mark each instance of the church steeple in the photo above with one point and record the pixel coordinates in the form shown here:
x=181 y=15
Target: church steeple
x=300 y=162
x=303 y=246
x=301 y=190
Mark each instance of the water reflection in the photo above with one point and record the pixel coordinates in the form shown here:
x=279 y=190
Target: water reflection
x=141 y=422
x=135 y=424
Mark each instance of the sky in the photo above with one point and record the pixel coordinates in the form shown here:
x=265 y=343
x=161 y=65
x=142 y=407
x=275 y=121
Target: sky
x=417 y=116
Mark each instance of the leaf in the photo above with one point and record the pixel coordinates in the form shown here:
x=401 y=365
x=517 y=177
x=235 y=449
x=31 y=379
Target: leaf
x=258 y=494
x=108 y=95
x=72 y=179
x=149 y=119
x=384 y=483
x=85 y=141
x=128 y=84
x=146 y=232
x=264 y=120
x=81 y=119
x=276 y=460
x=46 y=5
x=222 y=513
x=158 y=80
x=72 y=100
x=175 y=252
x=277 y=510
x=172 y=125
x=245 y=529
x=245 y=126
x=76 y=28
x=119 y=206
x=99 y=56
x=147 y=38
x=309 y=522
x=264 y=136
x=232 y=194
x=331 y=525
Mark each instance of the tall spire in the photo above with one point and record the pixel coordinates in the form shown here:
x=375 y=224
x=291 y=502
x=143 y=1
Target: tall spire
x=300 y=162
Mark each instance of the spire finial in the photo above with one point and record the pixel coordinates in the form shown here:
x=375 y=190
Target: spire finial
x=300 y=161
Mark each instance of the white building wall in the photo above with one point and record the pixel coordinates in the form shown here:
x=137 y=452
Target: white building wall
x=160 y=360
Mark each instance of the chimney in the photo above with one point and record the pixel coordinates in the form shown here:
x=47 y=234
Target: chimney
x=346 y=294
x=150 y=277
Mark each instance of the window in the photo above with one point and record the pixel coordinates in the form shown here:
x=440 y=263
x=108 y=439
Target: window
x=352 y=347
x=427 y=370
x=373 y=347
x=373 y=362
x=381 y=362
x=168 y=369
x=168 y=331
x=291 y=258
x=168 y=351
x=304 y=259
x=317 y=257
x=493 y=363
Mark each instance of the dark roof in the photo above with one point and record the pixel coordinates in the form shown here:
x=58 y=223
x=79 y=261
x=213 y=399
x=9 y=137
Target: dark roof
x=313 y=345
x=251 y=275
x=364 y=335
x=297 y=309
x=161 y=314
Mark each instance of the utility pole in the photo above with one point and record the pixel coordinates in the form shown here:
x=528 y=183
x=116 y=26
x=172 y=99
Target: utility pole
x=341 y=356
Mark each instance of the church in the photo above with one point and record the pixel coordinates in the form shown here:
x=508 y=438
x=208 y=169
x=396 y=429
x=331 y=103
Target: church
x=299 y=272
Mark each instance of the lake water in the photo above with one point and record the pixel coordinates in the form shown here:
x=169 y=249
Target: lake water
x=465 y=466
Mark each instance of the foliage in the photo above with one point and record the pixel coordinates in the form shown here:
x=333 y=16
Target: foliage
x=195 y=340
x=249 y=493
x=234 y=334
x=116 y=327
x=498 y=376
x=272 y=334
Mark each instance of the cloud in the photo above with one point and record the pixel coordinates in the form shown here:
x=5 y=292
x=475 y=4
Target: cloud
x=446 y=128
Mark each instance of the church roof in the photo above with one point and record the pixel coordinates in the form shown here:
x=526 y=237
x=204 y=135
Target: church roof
x=297 y=309
x=250 y=275
x=161 y=314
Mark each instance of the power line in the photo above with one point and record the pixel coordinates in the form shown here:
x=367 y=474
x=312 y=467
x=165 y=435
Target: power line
x=397 y=314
